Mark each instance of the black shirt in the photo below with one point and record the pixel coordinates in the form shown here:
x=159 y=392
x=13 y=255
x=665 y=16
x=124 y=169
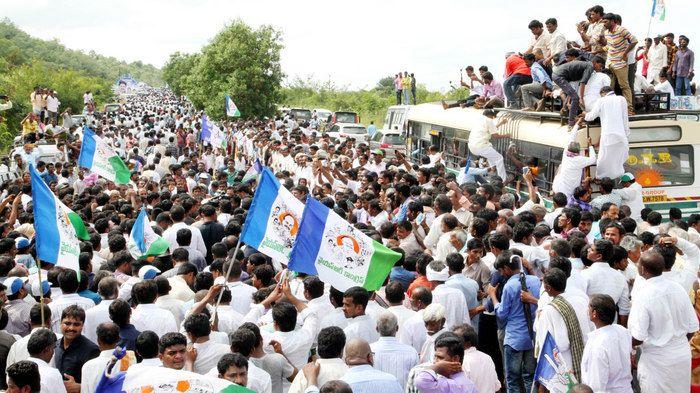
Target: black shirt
x=70 y=360
x=212 y=232
x=576 y=70
x=127 y=337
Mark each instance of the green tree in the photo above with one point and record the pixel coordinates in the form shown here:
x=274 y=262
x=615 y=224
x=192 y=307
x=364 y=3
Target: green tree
x=240 y=61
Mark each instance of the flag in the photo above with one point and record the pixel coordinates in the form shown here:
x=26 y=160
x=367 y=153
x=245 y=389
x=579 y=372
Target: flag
x=272 y=222
x=57 y=227
x=206 y=128
x=156 y=379
x=658 y=9
x=97 y=156
x=231 y=108
x=144 y=242
x=340 y=254
x=552 y=372
x=252 y=172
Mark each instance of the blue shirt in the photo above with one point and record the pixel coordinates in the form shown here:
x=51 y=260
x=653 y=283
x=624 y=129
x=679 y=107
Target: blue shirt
x=90 y=295
x=472 y=175
x=400 y=274
x=539 y=75
x=470 y=290
x=49 y=177
x=511 y=314
x=367 y=379
x=127 y=336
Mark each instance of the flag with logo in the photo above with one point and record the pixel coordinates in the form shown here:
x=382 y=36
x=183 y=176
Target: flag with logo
x=58 y=228
x=143 y=241
x=552 y=372
x=155 y=379
x=211 y=133
x=231 y=108
x=252 y=172
x=97 y=156
x=340 y=254
x=658 y=10
x=272 y=223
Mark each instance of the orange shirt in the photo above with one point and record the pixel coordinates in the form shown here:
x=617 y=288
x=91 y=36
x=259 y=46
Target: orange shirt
x=420 y=281
x=516 y=65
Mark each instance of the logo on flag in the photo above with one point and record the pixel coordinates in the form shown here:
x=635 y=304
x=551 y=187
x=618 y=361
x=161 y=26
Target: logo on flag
x=552 y=371
x=231 y=108
x=273 y=222
x=97 y=156
x=340 y=254
x=58 y=228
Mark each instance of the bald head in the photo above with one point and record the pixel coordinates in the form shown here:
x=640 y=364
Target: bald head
x=652 y=264
x=421 y=297
x=357 y=352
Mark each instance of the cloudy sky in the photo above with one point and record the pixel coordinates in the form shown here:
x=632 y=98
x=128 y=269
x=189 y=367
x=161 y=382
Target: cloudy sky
x=352 y=43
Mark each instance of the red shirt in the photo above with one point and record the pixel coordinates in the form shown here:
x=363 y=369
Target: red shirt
x=420 y=281
x=516 y=65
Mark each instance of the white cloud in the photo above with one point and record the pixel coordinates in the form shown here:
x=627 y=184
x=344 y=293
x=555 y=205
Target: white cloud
x=351 y=43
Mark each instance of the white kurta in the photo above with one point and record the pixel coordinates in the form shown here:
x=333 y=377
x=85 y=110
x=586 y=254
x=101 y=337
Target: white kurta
x=606 y=365
x=413 y=332
x=614 y=143
x=550 y=320
x=658 y=59
x=571 y=169
x=456 y=310
x=661 y=317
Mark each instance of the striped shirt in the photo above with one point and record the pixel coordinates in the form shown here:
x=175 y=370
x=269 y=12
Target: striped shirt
x=394 y=358
x=618 y=41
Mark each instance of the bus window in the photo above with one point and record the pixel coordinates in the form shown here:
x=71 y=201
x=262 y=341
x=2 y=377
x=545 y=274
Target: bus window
x=662 y=165
x=655 y=134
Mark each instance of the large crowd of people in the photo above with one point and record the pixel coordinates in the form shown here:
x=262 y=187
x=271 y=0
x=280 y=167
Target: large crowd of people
x=484 y=278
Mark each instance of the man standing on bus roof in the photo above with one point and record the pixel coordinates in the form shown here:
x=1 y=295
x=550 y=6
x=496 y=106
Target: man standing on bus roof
x=614 y=132
x=631 y=194
x=480 y=143
x=397 y=87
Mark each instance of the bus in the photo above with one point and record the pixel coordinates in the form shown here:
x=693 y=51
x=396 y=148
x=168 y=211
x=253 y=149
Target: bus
x=662 y=148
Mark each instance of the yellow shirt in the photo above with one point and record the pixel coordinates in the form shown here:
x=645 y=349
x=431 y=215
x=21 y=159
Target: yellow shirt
x=29 y=127
x=406 y=83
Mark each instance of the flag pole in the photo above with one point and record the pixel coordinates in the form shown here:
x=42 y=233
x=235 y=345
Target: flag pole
x=228 y=273
x=41 y=295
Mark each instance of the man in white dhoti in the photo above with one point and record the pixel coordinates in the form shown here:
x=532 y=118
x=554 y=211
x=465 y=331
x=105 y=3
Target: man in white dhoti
x=658 y=59
x=661 y=321
x=614 y=132
x=480 y=144
x=573 y=163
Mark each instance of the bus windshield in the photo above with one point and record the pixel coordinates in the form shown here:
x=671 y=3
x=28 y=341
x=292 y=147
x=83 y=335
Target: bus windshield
x=662 y=165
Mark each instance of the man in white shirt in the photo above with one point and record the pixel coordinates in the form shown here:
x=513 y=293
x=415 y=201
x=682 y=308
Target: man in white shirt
x=478 y=367
x=316 y=299
x=390 y=355
x=377 y=215
x=148 y=316
x=658 y=59
x=93 y=369
x=198 y=329
x=602 y=278
x=614 y=126
x=479 y=140
x=41 y=347
x=451 y=298
x=606 y=362
x=412 y=331
x=360 y=325
x=631 y=194
x=362 y=377
x=570 y=170
x=241 y=293
x=661 y=321
x=442 y=207
x=68 y=282
x=540 y=38
x=168 y=302
x=663 y=85
x=557 y=40
x=597 y=81
x=294 y=343
x=177 y=214
x=331 y=342
x=181 y=284
x=108 y=290
x=395 y=296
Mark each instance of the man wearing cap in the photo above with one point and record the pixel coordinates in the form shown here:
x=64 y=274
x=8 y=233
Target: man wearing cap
x=631 y=194
x=377 y=165
x=23 y=256
x=480 y=144
x=17 y=309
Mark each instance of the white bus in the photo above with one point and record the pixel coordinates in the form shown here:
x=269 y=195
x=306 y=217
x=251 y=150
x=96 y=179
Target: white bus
x=662 y=148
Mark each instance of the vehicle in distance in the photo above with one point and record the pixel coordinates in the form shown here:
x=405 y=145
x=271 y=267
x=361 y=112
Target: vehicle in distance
x=390 y=141
x=300 y=114
x=343 y=131
x=345 y=117
x=112 y=108
x=323 y=115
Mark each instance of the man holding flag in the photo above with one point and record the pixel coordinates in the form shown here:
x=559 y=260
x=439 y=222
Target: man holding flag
x=97 y=156
x=144 y=243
